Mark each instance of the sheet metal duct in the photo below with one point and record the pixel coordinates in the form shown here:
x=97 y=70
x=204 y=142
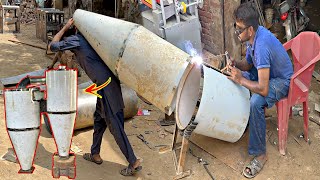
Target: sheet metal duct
x=87 y=105
x=224 y=108
x=140 y=59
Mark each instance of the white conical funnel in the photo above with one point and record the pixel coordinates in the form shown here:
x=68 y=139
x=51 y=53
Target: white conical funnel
x=22 y=121
x=24 y=143
x=62 y=129
x=140 y=59
x=62 y=106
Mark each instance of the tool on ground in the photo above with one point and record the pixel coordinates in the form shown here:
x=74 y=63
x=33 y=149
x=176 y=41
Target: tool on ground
x=141 y=137
x=203 y=162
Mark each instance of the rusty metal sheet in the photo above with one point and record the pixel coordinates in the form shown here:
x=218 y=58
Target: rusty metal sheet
x=153 y=68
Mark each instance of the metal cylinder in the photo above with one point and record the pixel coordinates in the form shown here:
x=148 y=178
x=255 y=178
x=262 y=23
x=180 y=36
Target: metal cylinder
x=224 y=108
x=62 y=106
x=87 y=105
x=22 y=122
x=61 y=90
x=141 y=60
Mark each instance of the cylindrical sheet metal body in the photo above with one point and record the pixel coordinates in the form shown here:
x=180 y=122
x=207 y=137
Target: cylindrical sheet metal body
x=224 y=108
x=87 y=105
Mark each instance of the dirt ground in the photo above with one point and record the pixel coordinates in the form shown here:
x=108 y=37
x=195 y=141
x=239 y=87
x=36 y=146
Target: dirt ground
x=301 y=162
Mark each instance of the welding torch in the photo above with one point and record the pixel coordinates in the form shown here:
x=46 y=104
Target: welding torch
x=229 y=63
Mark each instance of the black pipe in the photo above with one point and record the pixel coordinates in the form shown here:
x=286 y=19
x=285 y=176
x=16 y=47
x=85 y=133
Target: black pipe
x=24 y=83
x=28 y=80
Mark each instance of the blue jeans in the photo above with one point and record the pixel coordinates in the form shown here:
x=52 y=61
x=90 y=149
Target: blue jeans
x=278 y=89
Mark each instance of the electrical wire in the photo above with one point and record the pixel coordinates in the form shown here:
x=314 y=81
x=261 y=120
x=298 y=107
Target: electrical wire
x=203 y=162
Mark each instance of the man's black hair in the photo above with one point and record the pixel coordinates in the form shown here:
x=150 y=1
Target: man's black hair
x=247 y=14
x=71 y=31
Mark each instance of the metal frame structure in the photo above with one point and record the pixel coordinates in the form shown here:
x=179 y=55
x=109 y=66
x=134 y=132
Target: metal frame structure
x=175 y=21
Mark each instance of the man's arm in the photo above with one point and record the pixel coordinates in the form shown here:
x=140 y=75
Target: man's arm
x=243 y=65
x=260 y=87
x=59 y=35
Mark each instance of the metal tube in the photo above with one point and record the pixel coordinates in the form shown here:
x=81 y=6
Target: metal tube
x=162 y=13
x=193 y=3
x=176 y=11
x=154 y=5
x=224 y=108
x=87 y=105
x=37 y=80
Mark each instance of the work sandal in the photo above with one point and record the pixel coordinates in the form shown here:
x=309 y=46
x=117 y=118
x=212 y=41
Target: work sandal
x=255 y=167
x=89 y=157
x=130 y=171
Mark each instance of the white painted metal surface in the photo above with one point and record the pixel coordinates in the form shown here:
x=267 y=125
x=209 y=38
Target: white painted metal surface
x=61 y=90
x=106 y=35
x=224 y=108
x=21 y=111
x=24 y=144
x=187 y=97
x=62 y=129
x=143 y=61
x=61 y=106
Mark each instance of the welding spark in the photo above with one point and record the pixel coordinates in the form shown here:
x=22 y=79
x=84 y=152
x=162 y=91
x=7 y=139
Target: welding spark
x=197 y=59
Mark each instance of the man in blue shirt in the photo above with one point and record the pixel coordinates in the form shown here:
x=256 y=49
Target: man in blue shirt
x=109 y=108
x=266 y=72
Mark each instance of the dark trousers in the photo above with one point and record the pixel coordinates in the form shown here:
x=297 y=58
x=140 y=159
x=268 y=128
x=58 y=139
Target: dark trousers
x=115 y=122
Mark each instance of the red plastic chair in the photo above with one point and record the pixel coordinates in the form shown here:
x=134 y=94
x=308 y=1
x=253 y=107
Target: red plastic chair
x=305 y=50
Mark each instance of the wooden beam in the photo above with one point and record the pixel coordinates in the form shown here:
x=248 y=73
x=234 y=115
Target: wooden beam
x=28 y=44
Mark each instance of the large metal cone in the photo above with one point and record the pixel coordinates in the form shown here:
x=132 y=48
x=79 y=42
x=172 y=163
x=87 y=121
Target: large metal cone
x=140 y=59
x=103 y=31
x=24 y=143
x=62 y=129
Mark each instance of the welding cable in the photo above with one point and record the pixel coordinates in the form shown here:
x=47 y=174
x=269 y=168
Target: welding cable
x=203 y=162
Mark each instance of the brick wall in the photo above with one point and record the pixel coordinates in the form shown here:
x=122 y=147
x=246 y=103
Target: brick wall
x=211 y=22
x=212 y=30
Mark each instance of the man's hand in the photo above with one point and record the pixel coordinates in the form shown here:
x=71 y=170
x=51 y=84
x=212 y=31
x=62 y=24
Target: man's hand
x=235 y=74
x=231 y=61
x=59 y=35
x=69 y=24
